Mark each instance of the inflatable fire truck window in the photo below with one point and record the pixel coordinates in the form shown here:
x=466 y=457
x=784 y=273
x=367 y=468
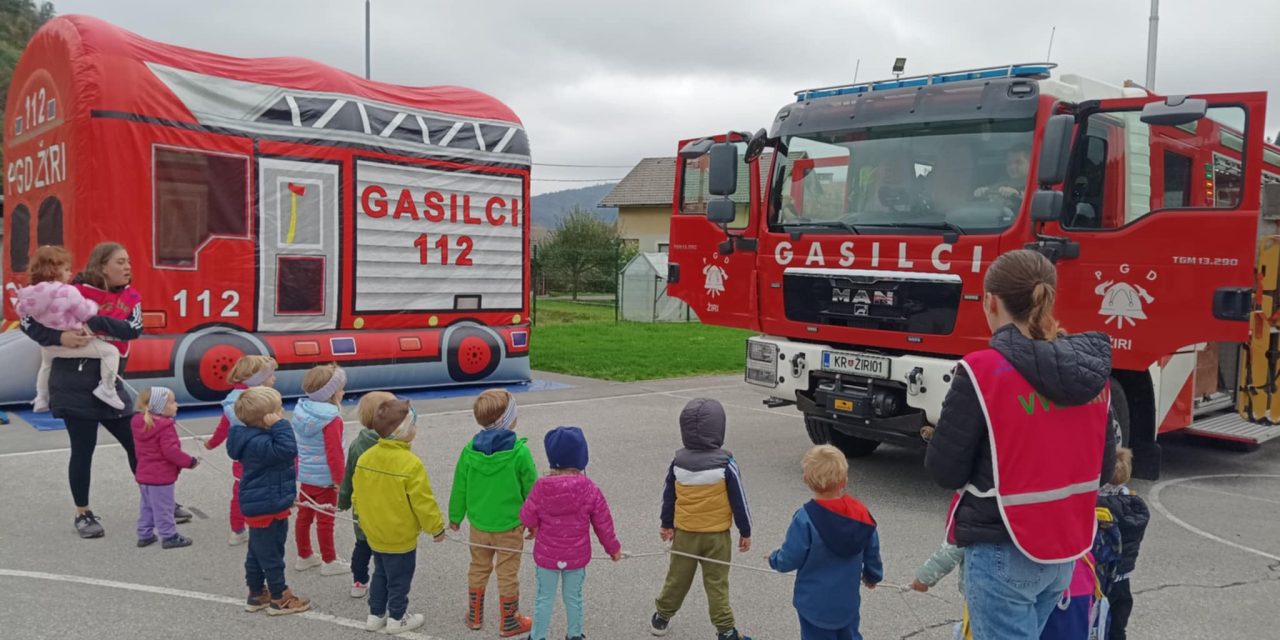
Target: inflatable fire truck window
x=273 y=206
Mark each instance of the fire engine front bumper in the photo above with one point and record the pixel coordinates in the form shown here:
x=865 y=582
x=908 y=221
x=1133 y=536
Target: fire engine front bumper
x=893 y=398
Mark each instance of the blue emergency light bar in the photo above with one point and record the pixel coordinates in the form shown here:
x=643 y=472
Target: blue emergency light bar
x=1037 y=70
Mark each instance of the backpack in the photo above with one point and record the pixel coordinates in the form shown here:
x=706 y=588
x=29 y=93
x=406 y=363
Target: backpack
x=1107 y=548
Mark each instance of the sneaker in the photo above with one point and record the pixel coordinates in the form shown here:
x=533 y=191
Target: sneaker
x=288 y=603
x=108 y=395
x=302 y=564
x=257 y=601
x=375 y=623
x=359 y=589
x=731 y=634
x=658 y=625
x=180 y=515
x=335 y=568
x=176 y=542
x=146 y=542
x=238 y=537
x=87 y=526
x=408 y=622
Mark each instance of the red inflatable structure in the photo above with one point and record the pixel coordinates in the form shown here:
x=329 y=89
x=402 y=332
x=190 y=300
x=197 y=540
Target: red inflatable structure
x=274 y=206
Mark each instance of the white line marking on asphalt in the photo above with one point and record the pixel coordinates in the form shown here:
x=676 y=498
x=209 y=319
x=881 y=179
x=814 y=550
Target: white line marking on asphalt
x=1155 y=501
x=18 y=454
x=1228 y=493
x=190 y=595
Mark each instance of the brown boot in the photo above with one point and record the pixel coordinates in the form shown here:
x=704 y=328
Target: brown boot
x=513 y=623
x=475 y=609
x=288 y=603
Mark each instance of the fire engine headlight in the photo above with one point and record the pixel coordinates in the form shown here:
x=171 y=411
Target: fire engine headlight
x=762 y=351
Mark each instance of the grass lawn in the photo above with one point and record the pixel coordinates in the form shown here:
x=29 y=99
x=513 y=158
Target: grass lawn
x=583 y=340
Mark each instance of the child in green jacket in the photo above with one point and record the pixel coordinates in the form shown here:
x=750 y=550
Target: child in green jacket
x=361 y=555
x=494 y=475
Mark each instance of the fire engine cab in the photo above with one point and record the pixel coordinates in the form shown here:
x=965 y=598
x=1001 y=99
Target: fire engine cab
x=854 y=235
x=273 y=206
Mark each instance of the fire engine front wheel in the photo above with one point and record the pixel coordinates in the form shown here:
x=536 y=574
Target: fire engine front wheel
x=820 y=432
x=1120 y=412
x=208 y=359
x=473 y=354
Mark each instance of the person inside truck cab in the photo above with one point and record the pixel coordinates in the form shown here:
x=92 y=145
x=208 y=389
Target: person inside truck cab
x=1008 y=189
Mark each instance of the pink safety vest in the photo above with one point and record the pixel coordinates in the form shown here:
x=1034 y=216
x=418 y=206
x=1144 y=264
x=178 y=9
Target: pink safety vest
x=1045 y=461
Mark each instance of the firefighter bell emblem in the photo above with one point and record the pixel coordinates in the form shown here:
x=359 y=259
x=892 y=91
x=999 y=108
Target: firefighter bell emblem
x=1122 y=302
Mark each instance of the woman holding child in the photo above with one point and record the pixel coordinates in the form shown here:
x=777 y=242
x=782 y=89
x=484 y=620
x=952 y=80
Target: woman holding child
x=1026 y=439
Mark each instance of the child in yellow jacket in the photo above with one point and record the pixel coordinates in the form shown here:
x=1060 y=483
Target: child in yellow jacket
x=394 y=504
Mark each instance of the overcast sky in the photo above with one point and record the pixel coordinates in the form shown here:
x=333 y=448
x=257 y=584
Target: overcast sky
x=607 y=82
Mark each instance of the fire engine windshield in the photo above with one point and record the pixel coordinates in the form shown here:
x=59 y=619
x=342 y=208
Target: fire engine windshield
x=968 y=177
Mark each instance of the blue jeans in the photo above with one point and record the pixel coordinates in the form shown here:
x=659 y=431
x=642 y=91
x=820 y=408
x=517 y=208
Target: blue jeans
x=392 y=577
x=1010 y=596
x=264 y=561
x=809 y=632
x=548 y=580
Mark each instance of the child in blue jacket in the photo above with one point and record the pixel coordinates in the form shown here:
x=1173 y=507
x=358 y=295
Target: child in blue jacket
x=832 y=544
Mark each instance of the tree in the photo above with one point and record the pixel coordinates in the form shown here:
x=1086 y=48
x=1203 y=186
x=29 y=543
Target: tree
x=19 y=20
x=582 y=251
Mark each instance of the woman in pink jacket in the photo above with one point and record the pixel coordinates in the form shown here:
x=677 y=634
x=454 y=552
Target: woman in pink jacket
x=560 y=513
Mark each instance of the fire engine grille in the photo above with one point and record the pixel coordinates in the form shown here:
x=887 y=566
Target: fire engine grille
x=887 y=300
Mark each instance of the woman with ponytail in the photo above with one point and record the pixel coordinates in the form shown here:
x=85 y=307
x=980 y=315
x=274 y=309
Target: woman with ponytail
x=1025 y=439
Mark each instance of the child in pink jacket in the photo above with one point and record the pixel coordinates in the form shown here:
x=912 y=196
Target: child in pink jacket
x=53 y=302
x=560 y=513
x=160 y=458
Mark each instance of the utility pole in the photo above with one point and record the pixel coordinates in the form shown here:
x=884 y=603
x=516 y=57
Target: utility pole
x=366 y=39
x=1152 y=29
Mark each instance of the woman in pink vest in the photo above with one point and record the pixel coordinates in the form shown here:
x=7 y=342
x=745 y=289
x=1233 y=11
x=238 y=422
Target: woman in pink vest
x=1025 y=439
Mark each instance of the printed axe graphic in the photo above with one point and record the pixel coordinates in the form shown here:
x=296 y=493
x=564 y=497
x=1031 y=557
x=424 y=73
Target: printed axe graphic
x=295 y=190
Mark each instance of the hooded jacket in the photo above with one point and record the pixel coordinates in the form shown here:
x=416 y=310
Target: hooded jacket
x=224 y=425
x=832 y=546
x=1132 y=516
x=269 y=484
x=392 y=497
x=56 y=305
x=318 y=428
x=1071 y=370
x=704 y=491
x=494 y=475
x=160 y=454
x=563 y=510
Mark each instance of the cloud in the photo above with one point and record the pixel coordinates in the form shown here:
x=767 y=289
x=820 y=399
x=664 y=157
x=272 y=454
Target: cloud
x=609 y=82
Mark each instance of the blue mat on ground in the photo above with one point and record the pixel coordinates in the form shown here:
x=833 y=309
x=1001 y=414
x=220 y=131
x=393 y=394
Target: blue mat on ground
x=46 y=422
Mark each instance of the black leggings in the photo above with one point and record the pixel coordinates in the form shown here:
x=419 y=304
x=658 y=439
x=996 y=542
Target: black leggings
x=84 y=439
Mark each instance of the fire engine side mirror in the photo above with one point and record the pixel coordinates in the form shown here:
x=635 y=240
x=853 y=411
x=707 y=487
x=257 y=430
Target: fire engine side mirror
x=722 y=178
x=1046 y=206
x=696 y=149
x=1055 y=148
x=755 y=146
x=721 y=211
x=1174 y=111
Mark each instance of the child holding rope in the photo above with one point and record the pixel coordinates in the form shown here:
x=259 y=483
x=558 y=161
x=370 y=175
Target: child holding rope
x=318 y=425
x=160 y=458
x=831 y=544
x=248 y=371
x=703 y=498
x=562 y=510
x=361 y=554
x=393 y=500
x=264 y=445
x=494 y=475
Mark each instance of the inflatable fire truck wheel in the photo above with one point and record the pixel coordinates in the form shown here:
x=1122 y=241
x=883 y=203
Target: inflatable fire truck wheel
x=207 y=358
x=472 y=353
x=820 y=432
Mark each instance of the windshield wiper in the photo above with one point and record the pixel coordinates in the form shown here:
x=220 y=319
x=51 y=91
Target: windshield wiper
x=941 y=225
x=840 y=224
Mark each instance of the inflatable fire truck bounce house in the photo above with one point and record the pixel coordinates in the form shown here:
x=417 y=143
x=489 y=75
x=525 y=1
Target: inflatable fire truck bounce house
x=271 y=206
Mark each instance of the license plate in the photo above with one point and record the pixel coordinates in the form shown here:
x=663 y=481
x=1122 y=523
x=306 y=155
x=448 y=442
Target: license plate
x=857 y=364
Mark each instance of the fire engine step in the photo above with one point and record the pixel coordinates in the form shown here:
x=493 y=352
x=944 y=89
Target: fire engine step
x=1230 y=426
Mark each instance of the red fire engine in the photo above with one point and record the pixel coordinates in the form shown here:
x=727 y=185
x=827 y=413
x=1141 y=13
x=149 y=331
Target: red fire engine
x=273 y=206
x=856 y=234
